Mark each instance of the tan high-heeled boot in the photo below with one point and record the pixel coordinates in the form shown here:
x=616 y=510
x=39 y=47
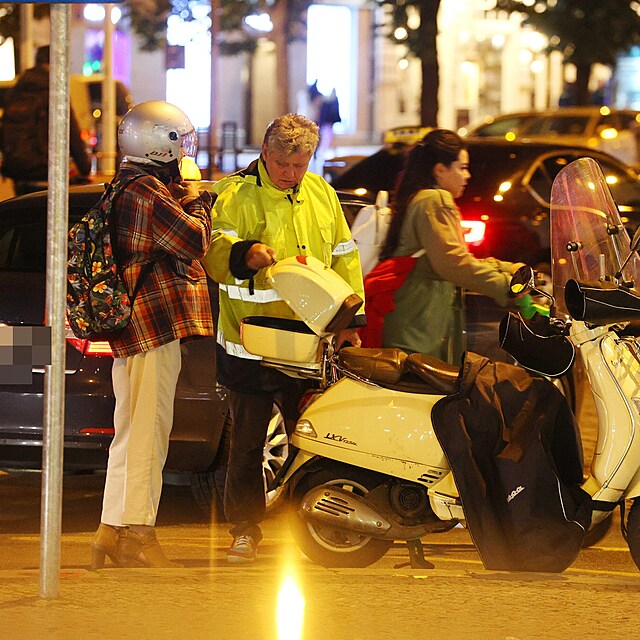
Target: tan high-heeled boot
x=142 y=550
x=104 y=543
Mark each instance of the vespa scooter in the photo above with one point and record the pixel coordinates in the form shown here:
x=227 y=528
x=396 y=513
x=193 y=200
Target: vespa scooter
x=367 y=467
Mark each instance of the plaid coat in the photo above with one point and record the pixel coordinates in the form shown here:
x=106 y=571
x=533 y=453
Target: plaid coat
x=173 y=302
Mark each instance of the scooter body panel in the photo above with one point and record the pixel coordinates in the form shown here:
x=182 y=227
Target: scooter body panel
x=634 y=487
x=614 y=376
x=377 y=428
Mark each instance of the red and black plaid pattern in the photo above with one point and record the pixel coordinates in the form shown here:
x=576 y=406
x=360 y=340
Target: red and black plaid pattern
x=173 y=301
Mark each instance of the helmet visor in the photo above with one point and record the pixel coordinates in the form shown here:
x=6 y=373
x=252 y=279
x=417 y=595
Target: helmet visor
x=190 y=143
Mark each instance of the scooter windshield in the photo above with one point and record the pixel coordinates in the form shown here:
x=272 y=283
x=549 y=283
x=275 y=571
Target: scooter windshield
x=588 y=240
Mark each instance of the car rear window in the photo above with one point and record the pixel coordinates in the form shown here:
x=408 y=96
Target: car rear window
x=502 y=126
x=560 y=125
x=23 y=227
x=490 y=165
x=23 y=247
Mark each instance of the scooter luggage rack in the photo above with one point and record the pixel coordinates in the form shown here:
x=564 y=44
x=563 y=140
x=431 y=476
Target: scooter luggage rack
x=320 y=374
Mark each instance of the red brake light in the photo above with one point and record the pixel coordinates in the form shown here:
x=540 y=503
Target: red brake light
x=474 y=231
x=84 y=346
x=98 y=349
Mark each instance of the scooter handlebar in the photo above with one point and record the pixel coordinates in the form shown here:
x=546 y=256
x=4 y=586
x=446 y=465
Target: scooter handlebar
x=601 y=302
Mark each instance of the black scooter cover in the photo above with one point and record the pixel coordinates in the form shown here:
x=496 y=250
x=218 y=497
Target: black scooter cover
x=513 y=445
x=536 y=345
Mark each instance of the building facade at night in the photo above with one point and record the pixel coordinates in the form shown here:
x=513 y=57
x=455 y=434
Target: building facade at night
x=488 y=64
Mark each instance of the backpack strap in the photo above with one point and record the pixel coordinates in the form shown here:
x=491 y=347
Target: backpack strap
x=146 y=270
x=113 y=190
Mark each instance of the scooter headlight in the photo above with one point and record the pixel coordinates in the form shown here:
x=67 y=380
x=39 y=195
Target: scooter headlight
x=305 y=428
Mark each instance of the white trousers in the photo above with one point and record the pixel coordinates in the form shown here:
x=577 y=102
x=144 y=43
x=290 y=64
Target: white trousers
x=144 y=386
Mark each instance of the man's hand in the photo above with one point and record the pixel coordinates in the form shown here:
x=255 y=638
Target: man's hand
x=260 y=256
x=348 y=335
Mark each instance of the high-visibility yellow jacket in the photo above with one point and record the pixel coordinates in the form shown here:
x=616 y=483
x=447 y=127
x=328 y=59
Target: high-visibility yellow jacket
x=304 y=221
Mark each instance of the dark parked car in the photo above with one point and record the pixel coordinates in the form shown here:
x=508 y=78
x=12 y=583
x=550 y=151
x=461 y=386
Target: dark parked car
x=506 y=203
x=505 y=207
x=613 y=131
x=200 y=435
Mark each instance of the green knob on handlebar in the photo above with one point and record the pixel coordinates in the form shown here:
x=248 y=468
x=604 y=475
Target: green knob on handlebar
x=528 y=308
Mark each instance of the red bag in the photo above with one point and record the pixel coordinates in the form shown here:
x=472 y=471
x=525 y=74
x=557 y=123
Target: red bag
x=380 y=286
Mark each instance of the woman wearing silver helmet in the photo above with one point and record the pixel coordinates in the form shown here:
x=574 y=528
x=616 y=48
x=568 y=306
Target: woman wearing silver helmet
x=162 y=219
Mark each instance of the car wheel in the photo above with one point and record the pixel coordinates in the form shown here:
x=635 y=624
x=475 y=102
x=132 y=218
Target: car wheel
x=208 y=486
x=276 y=450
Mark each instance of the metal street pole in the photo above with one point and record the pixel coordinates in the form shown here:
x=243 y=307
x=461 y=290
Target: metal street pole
x=108 y=119
x=27 y=56
x=215 y=55
x=55 y=303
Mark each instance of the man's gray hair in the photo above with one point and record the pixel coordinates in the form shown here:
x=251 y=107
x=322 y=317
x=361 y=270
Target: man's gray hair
x=292 y=133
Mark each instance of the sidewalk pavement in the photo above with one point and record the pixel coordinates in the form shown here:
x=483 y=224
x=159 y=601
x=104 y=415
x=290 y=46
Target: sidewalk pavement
x=206 y=600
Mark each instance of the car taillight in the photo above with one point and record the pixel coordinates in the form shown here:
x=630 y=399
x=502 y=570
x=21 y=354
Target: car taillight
x=86 y=347
x=309 y=396
x=474 y=231
x=98 y=349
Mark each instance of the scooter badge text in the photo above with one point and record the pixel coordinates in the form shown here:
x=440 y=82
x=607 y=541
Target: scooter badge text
x=336 y=437
x=514 y=493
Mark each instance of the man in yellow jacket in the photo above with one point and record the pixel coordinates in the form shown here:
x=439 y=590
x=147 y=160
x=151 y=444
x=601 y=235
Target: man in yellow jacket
x=271 y=210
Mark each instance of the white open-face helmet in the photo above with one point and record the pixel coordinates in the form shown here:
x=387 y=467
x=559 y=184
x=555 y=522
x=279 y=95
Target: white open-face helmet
x=156 y=132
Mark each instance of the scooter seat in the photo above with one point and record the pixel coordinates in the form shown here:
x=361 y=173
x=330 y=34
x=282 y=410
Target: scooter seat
x=385 y=366
x=440 y=375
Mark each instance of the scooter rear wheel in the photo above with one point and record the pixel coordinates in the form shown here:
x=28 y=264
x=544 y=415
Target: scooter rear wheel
x=633 y=531
x=329 y=546
x=596 y=533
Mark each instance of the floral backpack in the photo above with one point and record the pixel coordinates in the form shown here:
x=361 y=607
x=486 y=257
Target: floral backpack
x=98 y=304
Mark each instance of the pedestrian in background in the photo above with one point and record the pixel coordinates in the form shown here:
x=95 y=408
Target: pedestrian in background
x=24 y=132
x=161 y=218
x=328 y=116
x=269 y=211
x=429 y=307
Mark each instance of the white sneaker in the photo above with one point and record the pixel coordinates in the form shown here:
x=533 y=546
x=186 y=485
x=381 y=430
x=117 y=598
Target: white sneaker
x=242 y=549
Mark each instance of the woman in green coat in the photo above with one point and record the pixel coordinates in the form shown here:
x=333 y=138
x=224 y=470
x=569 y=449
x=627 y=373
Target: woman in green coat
x=429 y=307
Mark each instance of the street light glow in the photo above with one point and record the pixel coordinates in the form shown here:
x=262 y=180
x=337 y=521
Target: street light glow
x=96 y=13
x=261 y=22
x=290 y=610
x=400 y=33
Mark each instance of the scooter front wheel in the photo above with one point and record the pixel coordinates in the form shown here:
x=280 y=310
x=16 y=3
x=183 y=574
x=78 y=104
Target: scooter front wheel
x=327 y=545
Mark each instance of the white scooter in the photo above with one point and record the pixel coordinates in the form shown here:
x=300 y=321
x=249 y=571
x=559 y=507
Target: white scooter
x=366 y=421
x=367 y=468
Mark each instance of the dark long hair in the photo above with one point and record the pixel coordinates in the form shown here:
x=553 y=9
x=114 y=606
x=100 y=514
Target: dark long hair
x=438 y=146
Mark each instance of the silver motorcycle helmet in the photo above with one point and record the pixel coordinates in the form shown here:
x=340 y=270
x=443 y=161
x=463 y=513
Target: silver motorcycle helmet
x=158 y=133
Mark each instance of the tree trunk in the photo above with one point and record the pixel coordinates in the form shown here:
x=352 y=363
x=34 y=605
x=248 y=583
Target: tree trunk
x=427 y=32
x=583 y=73
x=280 y=19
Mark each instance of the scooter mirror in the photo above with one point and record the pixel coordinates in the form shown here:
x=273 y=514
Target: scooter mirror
x=522 y=281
